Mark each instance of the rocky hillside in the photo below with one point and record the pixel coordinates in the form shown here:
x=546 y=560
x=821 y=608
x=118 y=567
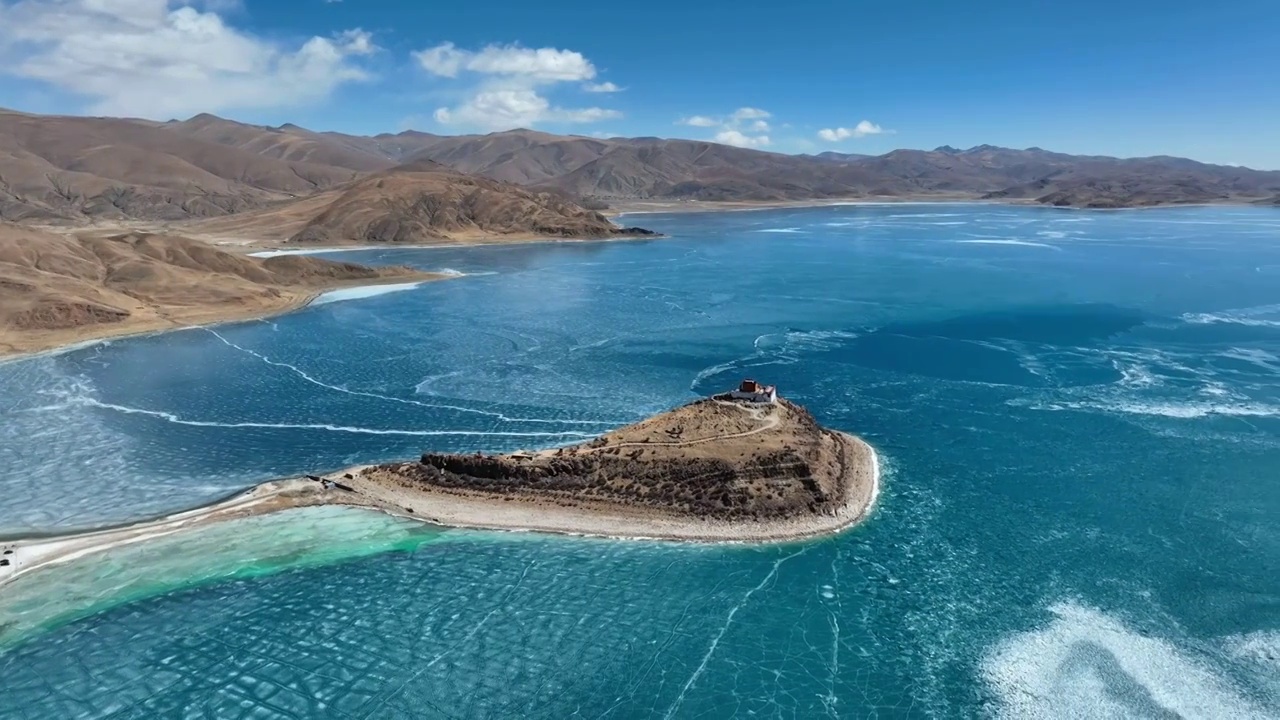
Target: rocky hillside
x=52 y=284
x=710 y=459
x=425 y=201
x=75 y=169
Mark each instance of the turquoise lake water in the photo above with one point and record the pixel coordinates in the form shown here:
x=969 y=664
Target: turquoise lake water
x=1077 y=413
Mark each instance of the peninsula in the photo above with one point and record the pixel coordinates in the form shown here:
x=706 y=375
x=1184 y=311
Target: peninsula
x=61 y=289
x=743 y=466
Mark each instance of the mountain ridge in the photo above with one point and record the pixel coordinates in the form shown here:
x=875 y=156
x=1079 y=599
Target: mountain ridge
x=67 y=169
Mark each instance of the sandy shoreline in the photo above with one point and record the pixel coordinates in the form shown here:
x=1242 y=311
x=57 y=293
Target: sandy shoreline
x=27 y=555
x=601 y=520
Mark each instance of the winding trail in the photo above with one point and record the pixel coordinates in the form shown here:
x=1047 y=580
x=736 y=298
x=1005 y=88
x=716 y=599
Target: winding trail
x=770 y=418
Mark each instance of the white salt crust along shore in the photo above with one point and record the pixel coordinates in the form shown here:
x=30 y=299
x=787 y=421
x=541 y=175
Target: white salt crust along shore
x=473 y=511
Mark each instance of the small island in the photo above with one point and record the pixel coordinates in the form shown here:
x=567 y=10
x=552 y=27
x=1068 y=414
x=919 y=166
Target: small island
x=742 y=466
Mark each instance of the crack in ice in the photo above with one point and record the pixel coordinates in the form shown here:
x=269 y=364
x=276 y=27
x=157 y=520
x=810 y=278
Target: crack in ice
x=336 y=388
x=171 y=417
x=723 y=629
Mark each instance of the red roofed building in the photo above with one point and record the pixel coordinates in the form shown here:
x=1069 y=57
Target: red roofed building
x=753 y=391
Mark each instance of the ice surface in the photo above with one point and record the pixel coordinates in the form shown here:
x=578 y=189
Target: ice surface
x=360 y=293
x=1078 y=498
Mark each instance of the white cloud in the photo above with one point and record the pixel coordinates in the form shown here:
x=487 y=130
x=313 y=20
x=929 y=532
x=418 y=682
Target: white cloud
x=357 y=42
x=862 y=129
x=740 y=139
x=583 y=115
x=163 y=59
x=503 y=109
x=734 y=129
x=510 y=84
x=535 y=64
x=444 y=60
x=749 y=113
x=698 y=121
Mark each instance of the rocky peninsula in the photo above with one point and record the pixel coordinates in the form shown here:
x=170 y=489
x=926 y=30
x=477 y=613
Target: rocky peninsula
x=718 y=469
x=737 y=467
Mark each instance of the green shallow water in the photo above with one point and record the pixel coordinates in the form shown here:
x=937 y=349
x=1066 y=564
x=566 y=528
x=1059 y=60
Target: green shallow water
x=1077 y=414
x=245 y=548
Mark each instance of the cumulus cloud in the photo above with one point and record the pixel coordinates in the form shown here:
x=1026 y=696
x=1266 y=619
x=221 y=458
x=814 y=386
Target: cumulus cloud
x=862 y=129
x=548 y=65
x=734 y=129
x=503 y=109
x=510 y=83
x=163 y=59
x=698 y=121
x=737 y=138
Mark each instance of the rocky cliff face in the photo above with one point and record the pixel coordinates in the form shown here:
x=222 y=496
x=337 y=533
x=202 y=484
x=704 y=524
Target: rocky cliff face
x=704 y=487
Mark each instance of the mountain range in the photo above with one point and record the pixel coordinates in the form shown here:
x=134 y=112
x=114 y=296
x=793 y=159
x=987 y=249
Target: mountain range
x=58 y=169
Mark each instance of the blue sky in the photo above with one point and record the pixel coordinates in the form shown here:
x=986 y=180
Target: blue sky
x=1123 y=77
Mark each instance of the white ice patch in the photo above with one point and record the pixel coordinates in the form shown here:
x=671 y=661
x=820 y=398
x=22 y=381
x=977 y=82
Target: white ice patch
x=993 y=241
x=1260 y=316
x=1135 y=375
x=1086 y=664
x=1212 y=318
x=1254 y=356
x=1260 y=648
x=1215 y=389
x=1182 y=410
x=359 y=293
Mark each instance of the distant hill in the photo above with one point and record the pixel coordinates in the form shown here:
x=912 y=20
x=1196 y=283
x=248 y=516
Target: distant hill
x=418 y=202
x=288 y=143
x=652 y=168
x=75 y=169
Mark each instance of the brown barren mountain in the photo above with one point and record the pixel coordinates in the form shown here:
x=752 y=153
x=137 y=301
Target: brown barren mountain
x=83 y=170
x=425 y=202
x=658 y=169
x=75 y=169
x=289 y=143
x=56 y=289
